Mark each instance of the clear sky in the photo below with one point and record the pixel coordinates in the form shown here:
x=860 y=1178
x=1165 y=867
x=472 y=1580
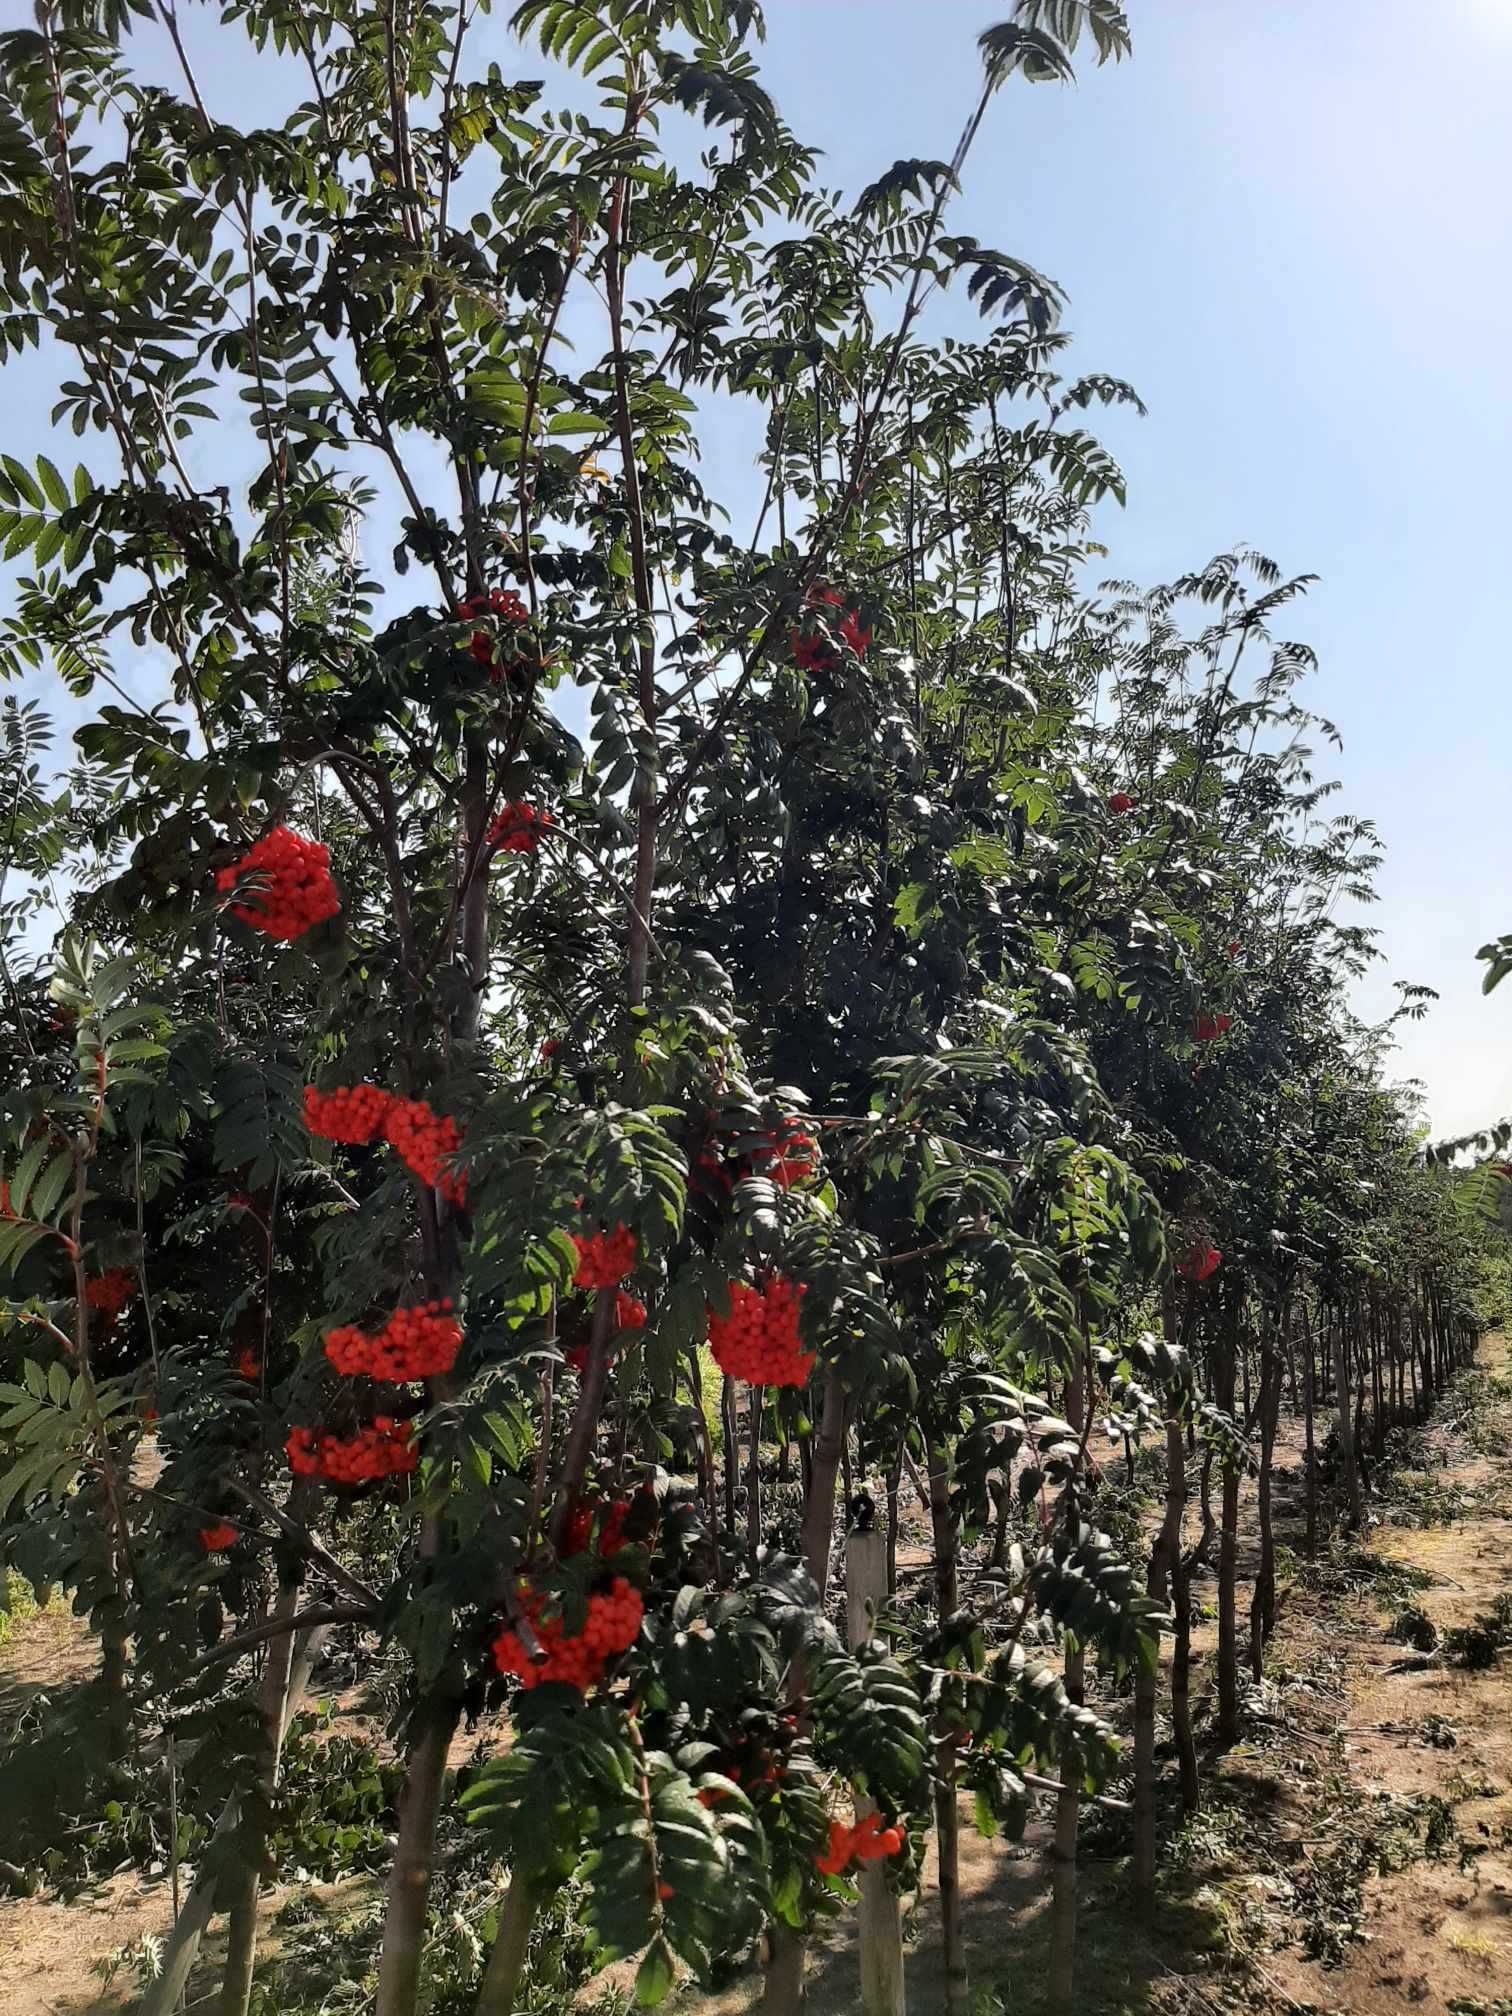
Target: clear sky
x=1288 y=223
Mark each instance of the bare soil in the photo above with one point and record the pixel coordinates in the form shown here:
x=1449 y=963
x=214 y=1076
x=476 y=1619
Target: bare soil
x=1353 y=1857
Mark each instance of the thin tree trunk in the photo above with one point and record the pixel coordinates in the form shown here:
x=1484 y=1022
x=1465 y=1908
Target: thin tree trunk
x=880 y=1925
x=414 y=1859
x=1164 y=1554
x=894 y=1479
x=251 y=1841
x=1228 y=1540
x=783 y=1990
x=506 y=1959
x=1263 y=1600
x=1181 y=1685
x=947 y=1812
x=199 y=1906
x=753 y=1480
x=1061 y=1973
x=1345 y=1418
x=1310 y=1459
x=731 y=1438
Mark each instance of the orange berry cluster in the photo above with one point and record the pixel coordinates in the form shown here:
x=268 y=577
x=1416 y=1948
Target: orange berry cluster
x=1209 y=1026
x=867 y=1841
x=423 y=1139
x=604 y=1258
x=297 y=891
x=415 y=1343
x=385 y=1448
x=758 y=1340
x=110 y=1291
x=789 y=1156
x=249 y=1362
x=501 y=602
x=612 y=1625
x=812 y=651
x=347 y=1112
x=517 y=828
x=217 y=1538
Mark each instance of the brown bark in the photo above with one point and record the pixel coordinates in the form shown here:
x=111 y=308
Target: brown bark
x=947 y=1812
x=506 y=1959
x=1165 y=1556
x=251 y=1840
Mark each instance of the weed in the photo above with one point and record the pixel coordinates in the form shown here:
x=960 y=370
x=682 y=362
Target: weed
x=1413 y=1626
x=1437 y=1731
x=1475 y=1646
x=142 y=1958
x=1347 y=1570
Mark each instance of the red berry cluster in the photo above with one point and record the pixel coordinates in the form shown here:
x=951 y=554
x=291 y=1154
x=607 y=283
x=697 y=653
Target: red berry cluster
x=604 y=1258
x=1209 y=1026
x=812 y=651
x=517 y=828
x=867 y=1841
x=1120 y=801
x=385 y=1448
x=347 y=1112
x=423 y=1139
x=415 y=1343
x=1201 y=1261
x=217 y=1538
x=611 y=1531
x=296 y=891
x=503 y=603
x=111 y=1291
x=758 y=1340
x=789 y=1156
x=249 y=1362
x=612 y=1625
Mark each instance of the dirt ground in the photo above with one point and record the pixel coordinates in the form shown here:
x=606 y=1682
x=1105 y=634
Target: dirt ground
x=1354 y=1855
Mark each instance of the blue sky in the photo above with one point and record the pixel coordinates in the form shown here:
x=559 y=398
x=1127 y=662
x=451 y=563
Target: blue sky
x=1288 y=224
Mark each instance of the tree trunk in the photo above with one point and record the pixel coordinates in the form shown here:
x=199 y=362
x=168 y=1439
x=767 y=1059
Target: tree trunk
x=1263 y=1600
x=881 y=1924
x=1164 y=1555
x=947 y=1812
x=894 y=1479
x=782 y=1990
x=753 y=1481
x=1310 y=1459
x=1228 y=1541
x=731 y=1438
x=414 y=1860
x=251 y=1840
x=1345 y=1418
x=1181 y=1685
x=506 y=1959
x=199 y=1906
x=1061 y=1983
x=1061 y=1980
